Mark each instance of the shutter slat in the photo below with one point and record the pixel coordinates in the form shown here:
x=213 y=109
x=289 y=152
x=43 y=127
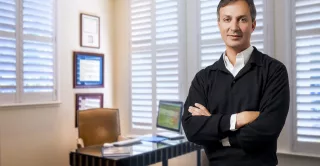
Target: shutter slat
x=307 y=14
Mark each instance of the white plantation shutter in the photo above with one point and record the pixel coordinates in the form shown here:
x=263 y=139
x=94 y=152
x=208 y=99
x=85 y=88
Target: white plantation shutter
x=38 y=49
x=141 y=64
x=307 y=51
x=211 y=45
x=27 y=51
x=7 y=51
x=155 y=49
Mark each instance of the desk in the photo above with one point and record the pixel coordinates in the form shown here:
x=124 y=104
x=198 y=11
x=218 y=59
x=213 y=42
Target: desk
x=144 y=153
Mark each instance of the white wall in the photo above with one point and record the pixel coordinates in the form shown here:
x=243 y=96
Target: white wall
x=44 y=135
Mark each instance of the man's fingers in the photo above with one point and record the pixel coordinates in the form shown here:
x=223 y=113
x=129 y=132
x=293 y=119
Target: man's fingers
x=202 y=108
x=196 y=111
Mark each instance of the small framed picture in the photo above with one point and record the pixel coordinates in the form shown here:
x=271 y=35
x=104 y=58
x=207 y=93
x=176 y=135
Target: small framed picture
x=88 y=70
x=89 y=31
x=86 y=101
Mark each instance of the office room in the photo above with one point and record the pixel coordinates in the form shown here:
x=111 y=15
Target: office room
x=38 y=110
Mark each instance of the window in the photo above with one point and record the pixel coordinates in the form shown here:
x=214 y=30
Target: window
x=211 y=46
x=157 y=46
x=307 y=78
x=27 y=51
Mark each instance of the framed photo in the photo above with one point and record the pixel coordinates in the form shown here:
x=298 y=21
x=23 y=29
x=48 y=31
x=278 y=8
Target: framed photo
x=89 y=31
x=86 y=101
x=88 y=70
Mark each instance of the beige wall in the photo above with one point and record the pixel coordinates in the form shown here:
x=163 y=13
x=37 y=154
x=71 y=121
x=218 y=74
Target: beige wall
x=44 y=135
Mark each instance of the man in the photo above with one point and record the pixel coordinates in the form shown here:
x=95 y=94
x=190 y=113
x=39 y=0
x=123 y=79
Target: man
x=236 y=108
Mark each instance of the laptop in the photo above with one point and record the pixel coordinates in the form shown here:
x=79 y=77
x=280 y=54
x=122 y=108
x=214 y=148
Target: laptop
x=169 y=119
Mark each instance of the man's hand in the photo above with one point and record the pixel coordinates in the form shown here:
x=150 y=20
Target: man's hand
x=246 y=117
x=199 y=110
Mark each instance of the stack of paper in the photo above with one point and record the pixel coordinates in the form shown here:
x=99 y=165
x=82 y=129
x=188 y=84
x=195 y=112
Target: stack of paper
x=116 y=151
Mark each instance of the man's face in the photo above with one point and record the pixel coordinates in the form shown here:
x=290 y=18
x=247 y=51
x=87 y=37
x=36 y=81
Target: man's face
x=236 y=25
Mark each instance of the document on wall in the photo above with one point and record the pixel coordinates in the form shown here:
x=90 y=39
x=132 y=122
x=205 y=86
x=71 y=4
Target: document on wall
x=89 y=70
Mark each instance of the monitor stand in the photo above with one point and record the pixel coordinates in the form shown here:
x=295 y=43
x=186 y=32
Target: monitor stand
x=170 y=135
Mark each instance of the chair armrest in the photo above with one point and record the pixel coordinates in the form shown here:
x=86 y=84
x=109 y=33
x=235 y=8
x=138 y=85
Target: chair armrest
x=80 y=143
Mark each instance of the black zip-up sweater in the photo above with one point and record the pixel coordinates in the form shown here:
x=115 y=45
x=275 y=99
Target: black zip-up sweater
x=261 y=85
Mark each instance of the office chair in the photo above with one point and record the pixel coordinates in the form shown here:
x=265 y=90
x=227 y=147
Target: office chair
x=98 y=126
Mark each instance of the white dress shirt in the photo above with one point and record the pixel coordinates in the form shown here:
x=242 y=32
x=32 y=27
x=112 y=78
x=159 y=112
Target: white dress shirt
x=241 y=60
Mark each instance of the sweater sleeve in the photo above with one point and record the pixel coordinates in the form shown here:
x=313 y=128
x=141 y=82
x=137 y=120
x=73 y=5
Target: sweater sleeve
x=202 y=130
x=274 y=106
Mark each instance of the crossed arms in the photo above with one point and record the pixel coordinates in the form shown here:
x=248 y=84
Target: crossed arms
x=256 y=129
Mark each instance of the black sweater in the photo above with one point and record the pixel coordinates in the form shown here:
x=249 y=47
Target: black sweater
x=261 y=85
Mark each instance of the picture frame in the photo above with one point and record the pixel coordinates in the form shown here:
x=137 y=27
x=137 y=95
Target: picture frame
x=89 y=31
x=88 y=70
x=84 y=101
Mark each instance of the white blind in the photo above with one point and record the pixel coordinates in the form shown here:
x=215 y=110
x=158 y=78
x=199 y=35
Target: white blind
x=27 y=51
x=38 y=46
x=155 y=50
x=211 y=44
x=307 y=21
x=7 y=46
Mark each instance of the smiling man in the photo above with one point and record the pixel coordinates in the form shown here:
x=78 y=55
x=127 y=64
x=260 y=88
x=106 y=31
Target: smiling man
x=236 y=108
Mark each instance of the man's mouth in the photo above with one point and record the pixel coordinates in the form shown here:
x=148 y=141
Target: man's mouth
x=235 y=35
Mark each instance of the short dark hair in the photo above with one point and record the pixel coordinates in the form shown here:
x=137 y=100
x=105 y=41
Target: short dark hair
x=252 y=7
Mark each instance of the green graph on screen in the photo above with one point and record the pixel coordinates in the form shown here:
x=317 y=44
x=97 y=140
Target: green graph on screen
x=169 y=116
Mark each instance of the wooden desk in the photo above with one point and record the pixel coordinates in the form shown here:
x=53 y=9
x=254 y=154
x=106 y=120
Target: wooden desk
x=144 y=153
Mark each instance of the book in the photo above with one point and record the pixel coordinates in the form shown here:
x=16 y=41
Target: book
x=116 y=151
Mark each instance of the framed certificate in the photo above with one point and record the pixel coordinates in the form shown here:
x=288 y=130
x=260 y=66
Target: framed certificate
x=88 y=70
x=89 y=31
x=86 y=101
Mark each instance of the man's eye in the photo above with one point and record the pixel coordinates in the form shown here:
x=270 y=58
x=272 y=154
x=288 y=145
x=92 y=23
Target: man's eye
x=226 y=19
x=243 y=20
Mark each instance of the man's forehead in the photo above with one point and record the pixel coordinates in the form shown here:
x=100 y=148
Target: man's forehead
x=234 y=12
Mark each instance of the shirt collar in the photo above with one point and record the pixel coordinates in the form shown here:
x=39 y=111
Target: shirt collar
x=243 y=56
x=255 y=58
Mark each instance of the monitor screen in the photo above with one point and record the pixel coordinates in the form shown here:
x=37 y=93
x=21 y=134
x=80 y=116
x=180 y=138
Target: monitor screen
x=169 y=115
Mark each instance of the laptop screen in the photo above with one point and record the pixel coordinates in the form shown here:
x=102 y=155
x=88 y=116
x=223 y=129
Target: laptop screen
x=169 y=115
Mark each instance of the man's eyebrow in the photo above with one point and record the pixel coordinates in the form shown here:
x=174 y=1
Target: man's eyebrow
x=242 y=16
x=226 y=16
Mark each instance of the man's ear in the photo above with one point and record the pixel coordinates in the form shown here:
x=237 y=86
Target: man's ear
x=254 y=24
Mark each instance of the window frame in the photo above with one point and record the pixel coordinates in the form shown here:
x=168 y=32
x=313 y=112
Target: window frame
x=31 y=99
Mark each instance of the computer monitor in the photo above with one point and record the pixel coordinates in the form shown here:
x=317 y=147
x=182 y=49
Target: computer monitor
x=169 y=115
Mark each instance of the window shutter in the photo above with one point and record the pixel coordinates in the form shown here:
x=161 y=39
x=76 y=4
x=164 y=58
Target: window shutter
x=38 y=49
x=167 y=50
x=307 y=33
x=141 y=64
x=211 y=44
x=7 y=51
x=155 y=51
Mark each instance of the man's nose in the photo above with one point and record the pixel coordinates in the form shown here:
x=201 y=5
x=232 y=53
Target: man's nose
x=234 y=25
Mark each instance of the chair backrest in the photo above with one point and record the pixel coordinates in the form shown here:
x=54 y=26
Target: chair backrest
x=98 y=126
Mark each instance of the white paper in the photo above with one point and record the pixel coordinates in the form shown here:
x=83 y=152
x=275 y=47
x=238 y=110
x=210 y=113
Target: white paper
x=90 y=31
x=89 y=70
